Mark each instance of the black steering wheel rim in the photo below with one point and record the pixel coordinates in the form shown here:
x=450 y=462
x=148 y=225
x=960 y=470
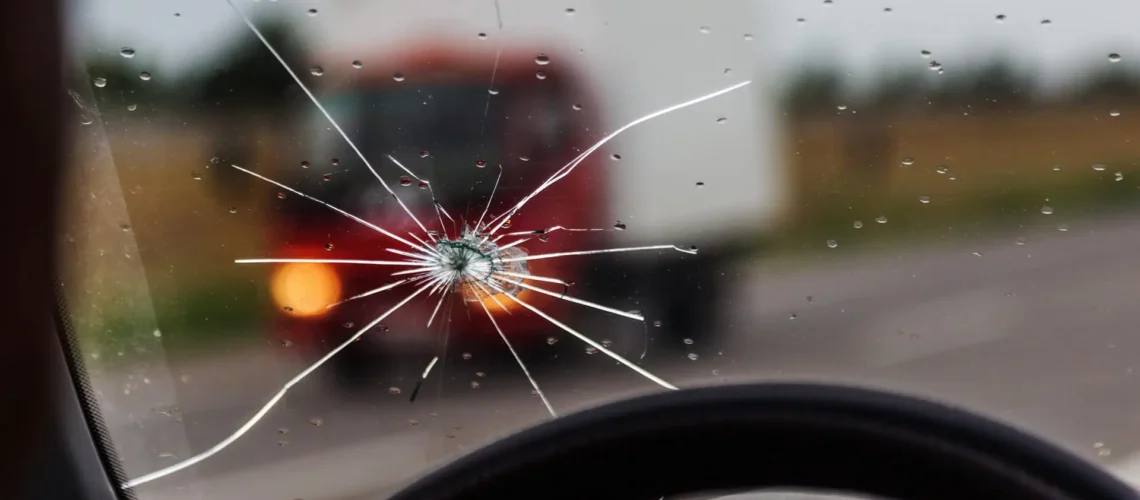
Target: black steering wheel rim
x=748 y=437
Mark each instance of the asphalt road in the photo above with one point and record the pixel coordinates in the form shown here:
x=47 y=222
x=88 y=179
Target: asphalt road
x=1042 y=335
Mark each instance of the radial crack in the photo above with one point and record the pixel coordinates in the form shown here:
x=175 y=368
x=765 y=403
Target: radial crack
x=595 y=252
x=273 y=401
x=574 y=300
x=522 y=365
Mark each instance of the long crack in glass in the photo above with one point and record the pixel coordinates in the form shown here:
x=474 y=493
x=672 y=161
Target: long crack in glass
x=473 y=264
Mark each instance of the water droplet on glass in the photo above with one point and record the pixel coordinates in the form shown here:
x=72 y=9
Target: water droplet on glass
x=423 y=185
x=925 y=53
x=976 y=254
x=311 y=12
x=474 y=384
x=493 y=91
x=934 y=66
x=1056 y=168
x=841 y=107
x=657 y=323
x=304 y=164
x=405 y=181
x=127 y=52
x=1119 y=176
x=347 y=324
x=399 y=77
x=282 y=430
x=144 y=76
x=328 y=246
x=541 y=75
x=132 y=107
x=1021 y=241
x=1114 y=57
x=196 y=176
x=722 y=120
x=942 y=169
x=792 y=316
x=615 y=157
x=100 y=82
x=705 y=29
x=358 y=64
x=317 y=71
x=747 y=37
x=801 y=21
x=607 y=343
x=551 y=340
x=832 y=243
x=570 y=11
x=619 y=226
x=480 y=163
x=693 y=356
x=287 y=309
x=1113 y=112
x=233 y=210
x=700 y=184
x=393 y=390
x=286 y=343
x=542 y=59
x=688 y=341
x=281 y=195
x=1000 y=18
x=125 y=227
x=1063 y=228
x=1046 y=22
x=924 y=199
x=1098 y=167
x=466 y=356
x=482 y=36
x=316 y=421
x=1047 y=210
x=857 y=224
x=882 y=219
x=591 y=350
x=906 y=162
x=576 y=107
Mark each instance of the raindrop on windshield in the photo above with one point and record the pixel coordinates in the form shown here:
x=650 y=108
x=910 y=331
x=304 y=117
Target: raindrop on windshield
x=233 y=210
x=1047 y=210
x=747 y=37
x=1113 y=112
x=657 y=323
x=281 y=195
x=700 y=184
x=841 y=107
x=935 y=66
x=335 y=162
x=551 y=340
x=132 y=107
x=1119 y=176
x=705 y=29
x=542 y=60
x=925 y=53
x=100 y=82
x=1063 y=228
x=693 y=356
x=304 y=164
x=474 y=384
x=466 y=356
x=316 y=421
x=144 y=76
x=722 y=120
x=1046 y=22
x=393 y=390
x=1098 y=167
x=399 y=77
x=1000 y=18
x=591 y=350
x=425 y=153
x=317 y=71
x=312 y=12
x=1020 y=241
x=524 y=158
x=619 y=226
x=688 y=341
x=576 y=107
x=1114 y=57
x=493 y=91
x=607 y=343
x=801 y=21
x=482 y=36
x=358 y=64
x=328 y=246
x=570 y=11
x=924 y=199
x=127 y=52
x=423 y=185
x=541 y=75
x=882 y=219
x=405 y=181
x=832 y=244
x=196 y=176
x=858 y=224
x=480 y=163
x=615 y=157
x=906 y=162
x=942 y=169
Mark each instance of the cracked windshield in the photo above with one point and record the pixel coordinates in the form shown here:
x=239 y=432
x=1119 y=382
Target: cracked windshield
x=315 y=249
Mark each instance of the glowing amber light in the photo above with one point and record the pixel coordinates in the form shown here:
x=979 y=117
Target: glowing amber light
x=305 y=289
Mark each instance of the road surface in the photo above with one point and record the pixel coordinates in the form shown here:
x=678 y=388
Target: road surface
x=1042 y=335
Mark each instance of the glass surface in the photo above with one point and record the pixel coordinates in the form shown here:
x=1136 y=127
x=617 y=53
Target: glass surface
x=935 y=198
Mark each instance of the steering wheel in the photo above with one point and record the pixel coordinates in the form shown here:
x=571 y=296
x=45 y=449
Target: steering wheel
x=748 y=437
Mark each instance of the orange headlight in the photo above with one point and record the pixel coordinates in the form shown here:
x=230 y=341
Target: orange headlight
x=306 y=289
